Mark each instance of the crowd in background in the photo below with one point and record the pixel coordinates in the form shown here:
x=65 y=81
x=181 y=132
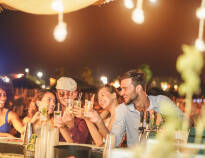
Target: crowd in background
x=26 y=109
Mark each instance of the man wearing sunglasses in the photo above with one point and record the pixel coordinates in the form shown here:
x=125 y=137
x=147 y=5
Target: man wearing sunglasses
x=73 y=129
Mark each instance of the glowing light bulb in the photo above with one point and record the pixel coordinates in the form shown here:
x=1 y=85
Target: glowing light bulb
x=57 y=5
x=20 y=75
x=175 y=87
x=200 y=13
x=60 y=32
x=128 y=4
x=104 y=79
x=138 y=16
x=43 y=86
x=116 y=84
x=199 y=44
x=39 y=74
x=27 y=70
x=6 y=79
x=153 y=1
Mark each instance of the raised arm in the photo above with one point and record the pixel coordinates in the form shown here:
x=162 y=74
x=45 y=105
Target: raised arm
x=16 y=122
x=97 y=137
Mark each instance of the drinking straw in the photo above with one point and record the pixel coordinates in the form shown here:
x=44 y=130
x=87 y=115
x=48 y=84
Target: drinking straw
x=58 y=109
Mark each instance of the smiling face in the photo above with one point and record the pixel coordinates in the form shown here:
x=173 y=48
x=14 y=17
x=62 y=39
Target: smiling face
x=48 y=101
x=105 y=98
x=3 y=98
x=128 y=91
x=64 y=95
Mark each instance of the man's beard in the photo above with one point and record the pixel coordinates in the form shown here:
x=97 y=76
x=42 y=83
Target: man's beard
x=131 y=101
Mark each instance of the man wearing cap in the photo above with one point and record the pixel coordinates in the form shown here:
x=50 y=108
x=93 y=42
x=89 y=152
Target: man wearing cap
x=73 y=129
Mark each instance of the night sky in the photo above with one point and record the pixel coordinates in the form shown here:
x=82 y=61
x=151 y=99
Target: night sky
x=103 y=38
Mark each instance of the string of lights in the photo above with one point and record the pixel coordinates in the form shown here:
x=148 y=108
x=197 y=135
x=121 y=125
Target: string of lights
x=60 y=31
x=200 y=13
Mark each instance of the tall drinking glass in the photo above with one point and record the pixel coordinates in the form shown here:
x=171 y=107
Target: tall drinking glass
x=57 y=115
x=69 y=107
x=88 y=107
x=109 y=145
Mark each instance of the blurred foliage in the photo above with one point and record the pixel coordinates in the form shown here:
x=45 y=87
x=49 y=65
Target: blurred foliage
x=189 y=65
x=148 y=72
x=87 y=76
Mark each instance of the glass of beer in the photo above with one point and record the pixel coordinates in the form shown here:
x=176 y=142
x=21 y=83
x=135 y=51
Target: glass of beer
x=88 y=107
x=69 y=107
x=77 y=103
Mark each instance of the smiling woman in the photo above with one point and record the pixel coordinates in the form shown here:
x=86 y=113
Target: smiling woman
x=46 y=102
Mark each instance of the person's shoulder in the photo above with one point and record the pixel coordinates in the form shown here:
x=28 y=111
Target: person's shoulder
x=158 y=96
x=165 y=98
x=12 y=113
x=121 y=107
x=161 y=98
x=120 y=112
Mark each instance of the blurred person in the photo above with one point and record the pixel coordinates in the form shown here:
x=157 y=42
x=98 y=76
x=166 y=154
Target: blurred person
x=72 y=129
x=7 y=117
x=31 y=110
x=18 y=107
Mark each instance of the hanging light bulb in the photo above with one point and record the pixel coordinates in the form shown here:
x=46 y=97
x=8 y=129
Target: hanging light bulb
x=199 y=44
x=57 y=5
x=60 y=32
x=153 y=1
x=138 y=16
x=200 y=13
x=129 y=4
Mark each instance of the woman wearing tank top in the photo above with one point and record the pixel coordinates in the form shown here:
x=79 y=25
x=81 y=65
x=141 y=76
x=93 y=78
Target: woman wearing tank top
x=7 y=117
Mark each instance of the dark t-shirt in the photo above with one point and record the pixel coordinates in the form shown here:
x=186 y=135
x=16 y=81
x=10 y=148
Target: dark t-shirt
x=79 y=133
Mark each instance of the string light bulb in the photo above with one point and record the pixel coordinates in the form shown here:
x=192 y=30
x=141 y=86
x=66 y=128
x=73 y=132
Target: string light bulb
x=199 y=44
x=60 y=32
x=116 y=84
x=153 y=1
x=200 y=13
x=129 y=4
x=57 y=5
x=138 y=16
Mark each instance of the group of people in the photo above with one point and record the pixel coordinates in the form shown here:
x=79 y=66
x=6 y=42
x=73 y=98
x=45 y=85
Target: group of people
x=122 y=119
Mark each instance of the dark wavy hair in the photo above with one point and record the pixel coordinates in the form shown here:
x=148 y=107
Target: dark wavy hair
x=40 y=95
x=7 y=87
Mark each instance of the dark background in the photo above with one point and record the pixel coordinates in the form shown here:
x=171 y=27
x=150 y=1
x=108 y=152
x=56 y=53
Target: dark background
x=103 y=38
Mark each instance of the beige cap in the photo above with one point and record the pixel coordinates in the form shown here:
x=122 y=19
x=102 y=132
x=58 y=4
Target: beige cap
x=66 y=83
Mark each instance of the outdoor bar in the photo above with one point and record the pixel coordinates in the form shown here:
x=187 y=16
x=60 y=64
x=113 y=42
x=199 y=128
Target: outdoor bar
x=130 y=111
